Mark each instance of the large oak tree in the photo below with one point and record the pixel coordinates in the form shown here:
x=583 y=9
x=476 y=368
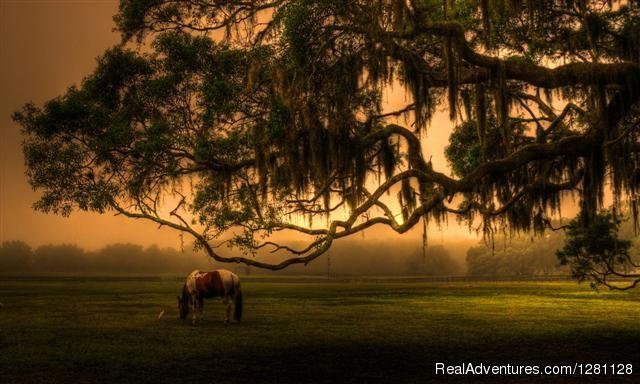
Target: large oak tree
x=233 y=120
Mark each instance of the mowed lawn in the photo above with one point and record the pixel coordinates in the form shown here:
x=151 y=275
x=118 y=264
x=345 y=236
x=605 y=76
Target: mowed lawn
x=78 y=330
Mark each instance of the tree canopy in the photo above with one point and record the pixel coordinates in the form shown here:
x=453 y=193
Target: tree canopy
x=233 y=120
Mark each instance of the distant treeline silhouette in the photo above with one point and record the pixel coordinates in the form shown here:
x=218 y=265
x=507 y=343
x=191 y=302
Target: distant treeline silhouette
x=18 y=256
x=346 y=258
x=517 y=256
x=528 y=255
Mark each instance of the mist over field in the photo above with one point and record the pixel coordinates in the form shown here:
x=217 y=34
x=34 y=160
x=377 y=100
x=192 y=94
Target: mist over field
x=371 y=255
x=347 y=258
x=366 y=257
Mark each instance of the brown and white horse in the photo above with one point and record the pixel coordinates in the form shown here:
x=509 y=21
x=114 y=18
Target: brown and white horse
x=201 y=285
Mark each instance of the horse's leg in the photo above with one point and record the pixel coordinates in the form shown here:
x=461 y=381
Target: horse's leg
x=194 y=307
x=227 y=303
x=200 y=305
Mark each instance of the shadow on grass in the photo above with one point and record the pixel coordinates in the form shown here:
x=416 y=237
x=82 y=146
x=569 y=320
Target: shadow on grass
x=379 y=362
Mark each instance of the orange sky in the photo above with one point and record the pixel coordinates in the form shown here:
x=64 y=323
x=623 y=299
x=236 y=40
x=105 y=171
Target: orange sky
x=46 y=46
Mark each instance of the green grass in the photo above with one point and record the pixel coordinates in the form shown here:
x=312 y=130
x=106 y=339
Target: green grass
x=106 y=331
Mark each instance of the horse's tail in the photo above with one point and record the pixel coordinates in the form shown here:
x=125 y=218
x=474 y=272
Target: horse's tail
x=237 y=302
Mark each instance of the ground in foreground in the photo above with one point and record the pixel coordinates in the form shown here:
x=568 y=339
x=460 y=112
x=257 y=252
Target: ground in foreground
x=107 y=331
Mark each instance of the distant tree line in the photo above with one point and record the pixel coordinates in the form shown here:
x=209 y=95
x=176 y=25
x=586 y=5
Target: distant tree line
x=363 y=257
x=387 y=258
x=504 y=256
x=20 y=257
x=533 y=255
x=517 y=256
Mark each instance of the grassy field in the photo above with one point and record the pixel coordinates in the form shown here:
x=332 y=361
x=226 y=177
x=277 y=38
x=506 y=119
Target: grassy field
x=106 y=331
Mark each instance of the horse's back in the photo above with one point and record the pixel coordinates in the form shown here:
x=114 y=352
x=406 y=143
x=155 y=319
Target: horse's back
x=219 y=282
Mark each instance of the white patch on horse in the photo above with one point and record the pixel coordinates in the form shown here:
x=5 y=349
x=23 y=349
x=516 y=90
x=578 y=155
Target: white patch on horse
x=226 y=277
x=191 y=280
x=193 y=292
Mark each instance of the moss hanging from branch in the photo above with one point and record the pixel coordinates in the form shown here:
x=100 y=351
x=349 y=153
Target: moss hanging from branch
x=481 y=113
x=452 y=86
x=420 y=87
x=502 y=101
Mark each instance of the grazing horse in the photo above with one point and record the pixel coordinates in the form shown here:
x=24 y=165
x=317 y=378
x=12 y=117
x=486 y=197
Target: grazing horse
x=201 y=285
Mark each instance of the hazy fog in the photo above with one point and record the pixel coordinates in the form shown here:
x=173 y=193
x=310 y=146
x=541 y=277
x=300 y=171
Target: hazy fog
x=522 y=256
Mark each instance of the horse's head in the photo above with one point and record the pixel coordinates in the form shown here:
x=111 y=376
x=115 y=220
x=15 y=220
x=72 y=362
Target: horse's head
x=183 y=308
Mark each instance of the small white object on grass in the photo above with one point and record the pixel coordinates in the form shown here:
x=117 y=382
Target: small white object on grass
x=161 y=314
